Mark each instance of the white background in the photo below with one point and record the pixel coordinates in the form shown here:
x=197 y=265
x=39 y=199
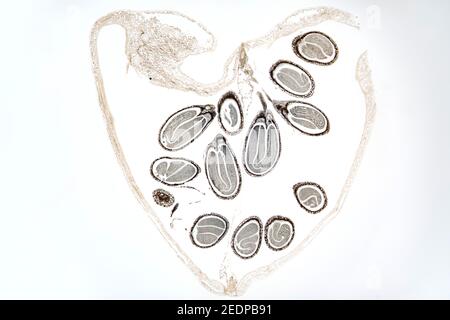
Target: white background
x=70 y=227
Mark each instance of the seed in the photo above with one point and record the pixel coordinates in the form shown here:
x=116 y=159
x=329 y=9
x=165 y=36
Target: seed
x=163 y=198
x=222 y=169
x=279 y=232
x=184 y=126
x=174 y=171
x=292 y=79
x=310 y=196
x=304 y=117
x=315 y=47
x=208 y=230
x=247 y=238
x=230 y=113
x=262 y=145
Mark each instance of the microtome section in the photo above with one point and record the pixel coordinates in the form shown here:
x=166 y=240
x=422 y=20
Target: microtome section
x=304 y=117
x=185 y=195
x=292 y=78
x=222 y=169
x=230 y=113
x=208 y=230
x=279 y=232
x=174 y=171
x=247 y=237
x=262 y=145
x=184 y=126
x=310 y=196
x=316 y=47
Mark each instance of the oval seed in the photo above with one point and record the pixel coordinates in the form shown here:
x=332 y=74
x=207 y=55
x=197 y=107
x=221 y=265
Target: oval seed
x=163 y=198
x=292 y=79
x=262 y=145
x=230 y=113
x=310 y=196
x=316 y=47
x=208 y=230
x=279 y=232
x=304 y=117
x=174 y=171
x=247 y=238
x=222 y=169
x=184 y=126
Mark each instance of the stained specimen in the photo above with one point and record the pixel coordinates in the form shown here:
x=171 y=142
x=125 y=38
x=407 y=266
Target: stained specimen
x=184 y=126
x=163 y=198
x=304 y=117
x=262 y=145
x=292 y=78
x=174 y=171
x=279 y=232
x=230 y=113
x=157 y=45
x=208 y=229
x=247 y=237
x=222 y=169
x=310 y=196
x=316 y=47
